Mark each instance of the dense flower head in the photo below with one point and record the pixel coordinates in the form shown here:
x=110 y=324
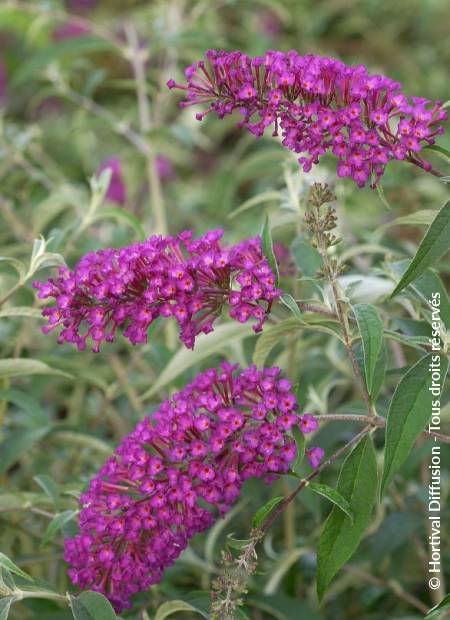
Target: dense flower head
x=319 y=105
x=190 y=280
x=169 y=478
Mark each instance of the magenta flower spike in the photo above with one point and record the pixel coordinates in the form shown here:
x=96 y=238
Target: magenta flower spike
x=319 y=105
x=190 y=280
x=178 y=470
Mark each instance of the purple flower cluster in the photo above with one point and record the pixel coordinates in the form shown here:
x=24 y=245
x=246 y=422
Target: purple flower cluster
x=165 y=480
x=319 y=105
x=190 y=280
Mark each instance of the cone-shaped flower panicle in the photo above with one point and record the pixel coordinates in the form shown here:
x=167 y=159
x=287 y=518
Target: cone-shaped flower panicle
x=318 y=105
x=178 y=470
x=190 y=280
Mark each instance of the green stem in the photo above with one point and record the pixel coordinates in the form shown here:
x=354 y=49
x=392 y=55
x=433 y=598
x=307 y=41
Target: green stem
x=304 y=483
x=376 y=421
x=11 y=292
x=22 y=594
x=137 y=58
x=331 y=273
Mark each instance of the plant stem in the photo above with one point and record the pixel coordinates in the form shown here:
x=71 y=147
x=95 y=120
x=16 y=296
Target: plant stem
x=121 y=374
x=376 y=421
x=330 y=270
x=21 y=594
x=235 y=577
x=304 y=483
x=42 y=513
x=118 y=126
x=433 y=171
x=11 y=292
x=137 y=58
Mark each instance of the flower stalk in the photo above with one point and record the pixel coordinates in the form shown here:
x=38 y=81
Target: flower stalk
x=321 y=222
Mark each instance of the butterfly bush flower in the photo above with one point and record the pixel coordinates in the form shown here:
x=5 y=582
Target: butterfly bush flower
x=171 y=476
x=128 y=288
x=318 y=105
x=314 y=456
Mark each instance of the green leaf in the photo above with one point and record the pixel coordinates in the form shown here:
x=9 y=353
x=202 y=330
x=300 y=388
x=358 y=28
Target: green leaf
x=382 y=196
x=267 y=248
x=58 y=51
x=290 y=303
x=263 y=512
x=5 y=562
x=122 y=216
x=7 y=584
x=436 y=611
x=206 y=345
x=171 y=607
x=271 y=337
x=56 y=524
x=17 y=444
x=20 y=501
x=282 y=607
x=340 y=538
x=424 y=287
x=440 y=150
x=432 y=247
x=409 y=412
x=16 y=367
x=307 y=258
x=28 y=403
x=237 y=543
x=49 y=486
x=91 y=606
x=371 y=329
x=281 y=567
x=423 y=217
x=26 y=311
x=334 y=496
x=417 y=343
x=5 y=605
x=255 y=200
x=216 y=530
x=16 y=264
x=84 y=440
x=380 y=367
